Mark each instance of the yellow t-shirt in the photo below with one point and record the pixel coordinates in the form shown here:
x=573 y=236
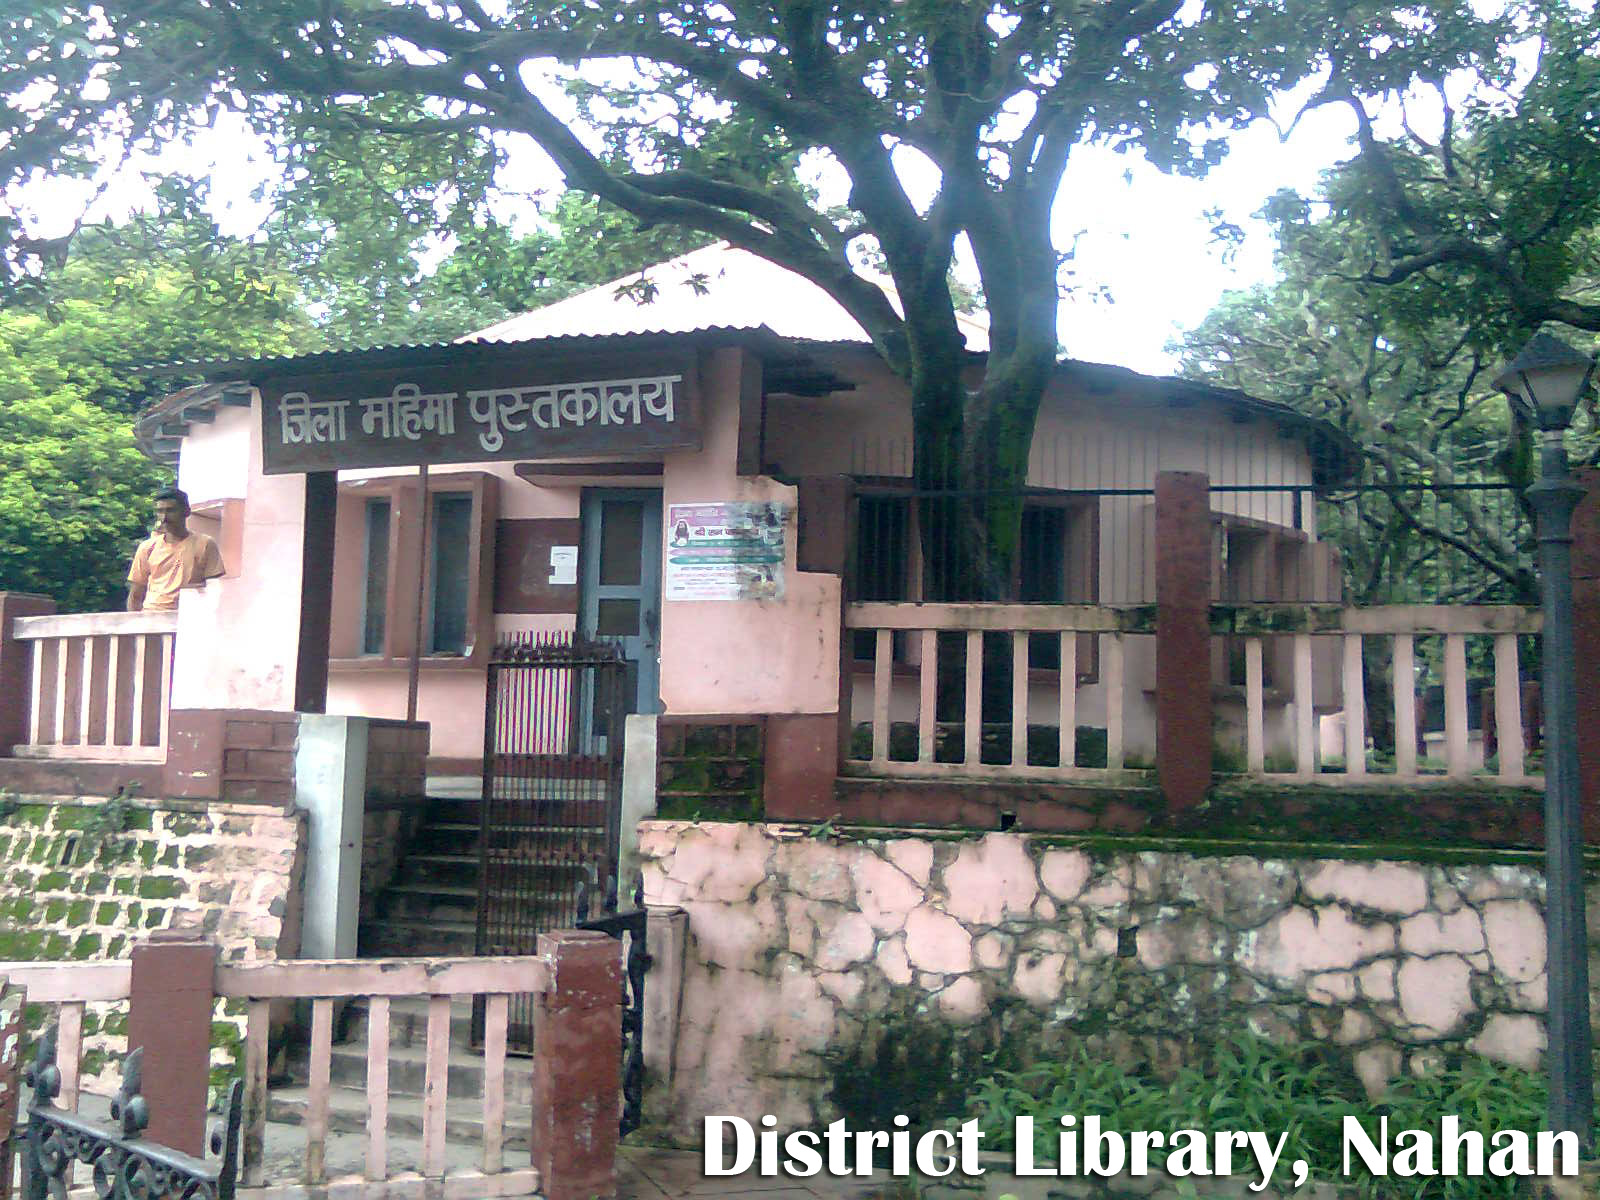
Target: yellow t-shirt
x=164 y=565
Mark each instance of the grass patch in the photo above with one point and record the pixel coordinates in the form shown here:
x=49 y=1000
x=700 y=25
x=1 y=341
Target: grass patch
x=1242 y=1082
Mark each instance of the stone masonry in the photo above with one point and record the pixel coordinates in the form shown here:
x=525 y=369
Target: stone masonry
x=806 y=953
x=84 y=879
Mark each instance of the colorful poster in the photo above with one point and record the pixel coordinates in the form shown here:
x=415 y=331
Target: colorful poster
x=724 y=551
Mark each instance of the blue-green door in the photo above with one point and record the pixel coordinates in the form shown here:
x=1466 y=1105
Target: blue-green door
x=619 y=575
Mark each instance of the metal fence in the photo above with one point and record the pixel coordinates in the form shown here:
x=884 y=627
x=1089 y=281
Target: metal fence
x=1419 y=543
x=1459 y=543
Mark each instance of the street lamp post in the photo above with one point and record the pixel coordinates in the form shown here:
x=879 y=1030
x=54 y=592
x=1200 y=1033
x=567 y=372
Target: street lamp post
x=1546 y=380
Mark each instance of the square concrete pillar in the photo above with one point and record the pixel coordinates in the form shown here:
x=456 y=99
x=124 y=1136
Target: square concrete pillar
x=1586 y=640
x=169 y=1017
x=577 y=1071
x=330 y=780
x=1183 y=637
x=16 y=670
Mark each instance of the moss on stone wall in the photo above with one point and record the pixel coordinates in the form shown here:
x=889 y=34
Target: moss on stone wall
x=711 y=771
x=83 y=880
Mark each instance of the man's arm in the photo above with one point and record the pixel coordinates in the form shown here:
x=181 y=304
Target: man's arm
x=211 y=562
x=138 y=579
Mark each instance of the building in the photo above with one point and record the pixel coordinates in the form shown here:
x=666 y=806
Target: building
x=564 y=450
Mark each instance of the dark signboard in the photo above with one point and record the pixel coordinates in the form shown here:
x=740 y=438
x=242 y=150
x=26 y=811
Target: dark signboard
x=453 y=414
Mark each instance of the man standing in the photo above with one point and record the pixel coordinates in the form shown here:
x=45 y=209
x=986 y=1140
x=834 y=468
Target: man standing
x=171 y=558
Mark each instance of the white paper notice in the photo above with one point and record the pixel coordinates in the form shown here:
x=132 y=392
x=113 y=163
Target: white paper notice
x=563 y=564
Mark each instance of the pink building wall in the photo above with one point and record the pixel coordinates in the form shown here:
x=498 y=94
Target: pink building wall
x=238 y=637
x=745 y=656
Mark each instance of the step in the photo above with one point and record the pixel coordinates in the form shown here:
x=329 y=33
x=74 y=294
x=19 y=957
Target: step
x=451 y=870
x=446 y=837
x=408 y=1022
x=347 y=1113
x=390 y=938
x=557 y=879
x=408 y=1071
x=452 y=808
x=458 y=837
x=428 y=901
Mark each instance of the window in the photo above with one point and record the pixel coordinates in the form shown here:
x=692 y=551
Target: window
x=375 y=614
x=883 y=554
x=1057 y=563
x=451 y=538
x=376 y=589
x=1041 y=575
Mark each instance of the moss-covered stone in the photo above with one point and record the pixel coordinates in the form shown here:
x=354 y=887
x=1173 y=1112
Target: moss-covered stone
x=22 y=946
x=106 y=913
x=52 y=881
x=160 y=887
x=74 y=816
x=179 y=824
x=55 y=910
x=86 y=946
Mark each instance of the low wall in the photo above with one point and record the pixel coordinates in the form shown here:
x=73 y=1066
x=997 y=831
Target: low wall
x=84 y=879
x=865 y=975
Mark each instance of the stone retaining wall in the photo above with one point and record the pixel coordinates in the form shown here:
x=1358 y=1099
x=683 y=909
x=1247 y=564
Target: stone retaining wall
x=84 y=879
x=860 y=975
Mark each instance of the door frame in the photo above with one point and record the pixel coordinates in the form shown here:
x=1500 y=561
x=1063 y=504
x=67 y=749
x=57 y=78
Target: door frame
x=648 y=590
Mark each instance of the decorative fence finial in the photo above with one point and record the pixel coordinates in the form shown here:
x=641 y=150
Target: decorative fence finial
x=129 y=1107
x=42 y=1075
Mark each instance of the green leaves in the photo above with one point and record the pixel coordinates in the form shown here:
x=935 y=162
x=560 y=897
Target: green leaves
x=74 y=490
x=1241 y=1081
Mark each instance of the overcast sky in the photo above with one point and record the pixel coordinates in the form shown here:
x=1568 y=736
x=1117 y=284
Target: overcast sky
x=1146 y=238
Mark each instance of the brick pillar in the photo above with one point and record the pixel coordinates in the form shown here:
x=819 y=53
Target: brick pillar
x=1586 y=639
x=169 y=1014
x=577 y=1077
x=1183 y=637
x=16 y=671
x=804 y=750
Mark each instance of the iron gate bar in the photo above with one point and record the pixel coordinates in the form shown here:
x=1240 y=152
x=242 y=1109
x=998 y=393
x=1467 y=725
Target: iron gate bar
x=550 y=817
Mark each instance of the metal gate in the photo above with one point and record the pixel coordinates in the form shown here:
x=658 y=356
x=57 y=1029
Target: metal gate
x=552 y=793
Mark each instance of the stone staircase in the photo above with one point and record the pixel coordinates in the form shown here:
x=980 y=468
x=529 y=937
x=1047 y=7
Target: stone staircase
x=430 y=909
x=431 y=906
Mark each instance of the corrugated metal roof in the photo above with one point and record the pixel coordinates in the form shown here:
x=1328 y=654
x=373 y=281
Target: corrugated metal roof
x=716 y=287
x=346 y=358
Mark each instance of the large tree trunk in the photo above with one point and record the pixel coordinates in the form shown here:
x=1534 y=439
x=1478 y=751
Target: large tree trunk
x=971 y=467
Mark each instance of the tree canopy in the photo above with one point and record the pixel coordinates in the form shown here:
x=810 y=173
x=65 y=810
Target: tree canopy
x=74 y=490
x=715 y=117
x=1420 y=267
